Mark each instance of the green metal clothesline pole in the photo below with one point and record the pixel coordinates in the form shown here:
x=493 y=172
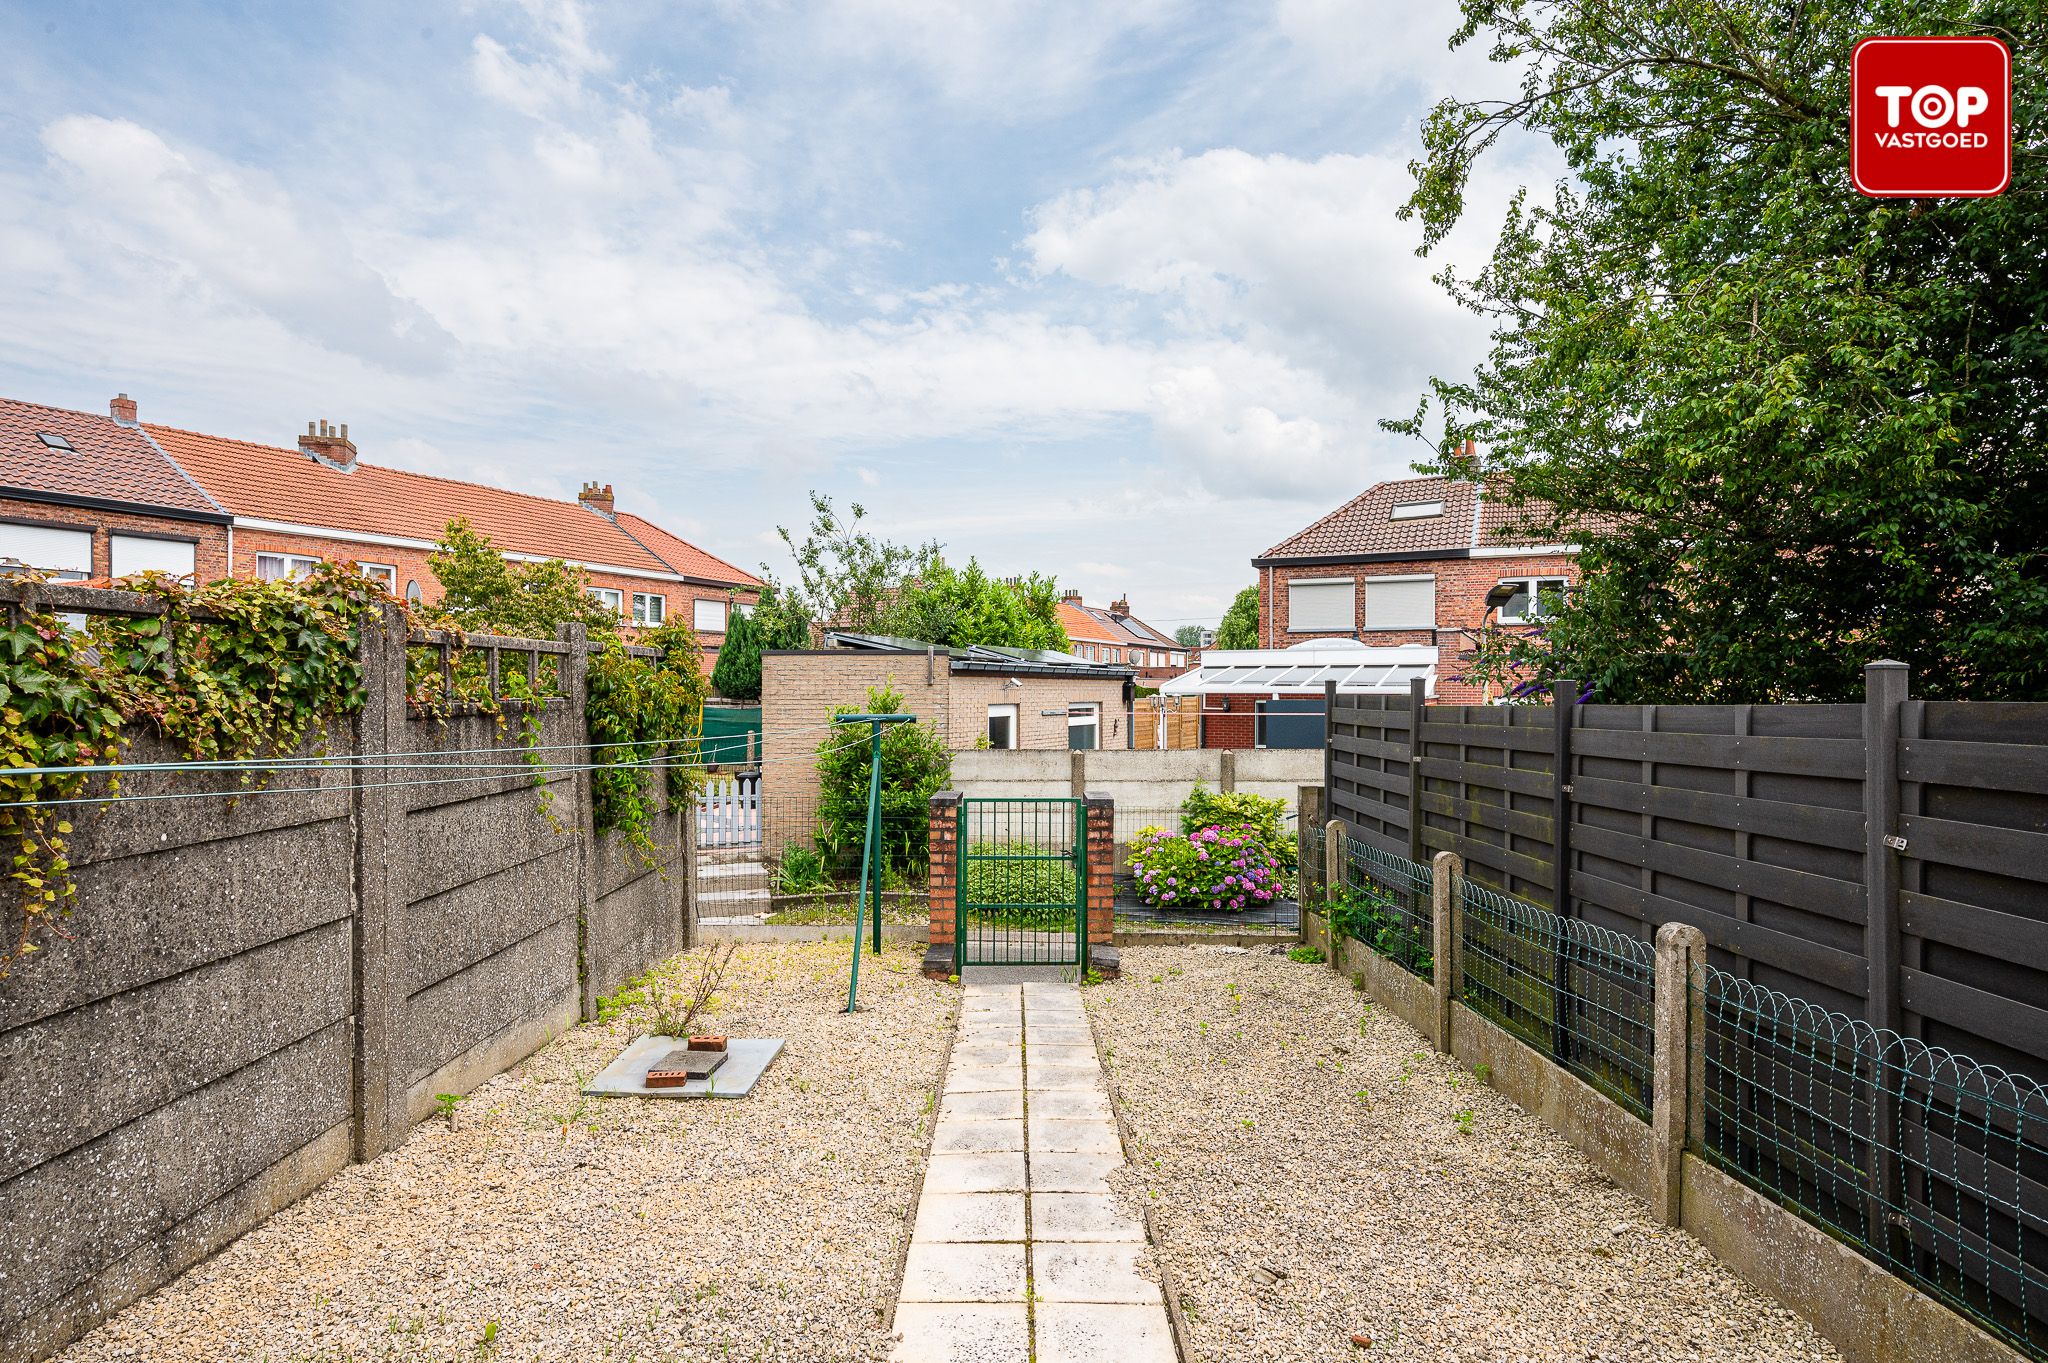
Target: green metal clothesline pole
x=870 y=864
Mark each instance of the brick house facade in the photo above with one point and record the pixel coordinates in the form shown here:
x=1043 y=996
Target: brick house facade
x=1407 y=562
x=90 y=497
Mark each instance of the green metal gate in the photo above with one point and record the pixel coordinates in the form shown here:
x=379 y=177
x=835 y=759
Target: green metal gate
x=1023 y=889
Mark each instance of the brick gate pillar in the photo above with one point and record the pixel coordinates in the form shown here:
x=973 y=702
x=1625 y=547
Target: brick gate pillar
x=1101 y=824
x=942 y=893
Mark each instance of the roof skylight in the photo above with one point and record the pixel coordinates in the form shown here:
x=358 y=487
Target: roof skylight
x=55 y=441
x=1415 y=511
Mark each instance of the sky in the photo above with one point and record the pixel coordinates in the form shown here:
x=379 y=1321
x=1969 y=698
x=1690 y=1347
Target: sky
x=1109 y=291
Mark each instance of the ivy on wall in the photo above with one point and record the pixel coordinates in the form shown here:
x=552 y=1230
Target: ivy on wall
x=229 y=670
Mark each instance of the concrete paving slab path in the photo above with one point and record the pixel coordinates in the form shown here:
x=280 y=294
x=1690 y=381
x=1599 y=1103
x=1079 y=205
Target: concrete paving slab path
x=1020 y=1251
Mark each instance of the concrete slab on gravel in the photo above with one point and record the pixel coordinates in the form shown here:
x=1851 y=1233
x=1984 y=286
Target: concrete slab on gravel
x=961 y=1218
x=931 y=1332
x=1072 y=1173
x=1073 y=1136
x=998 y=1105
x=1090 y=1273
x=984 y=1078
x=1081 y=1218
x=1091 y=1104
x=963 y=1273
x=965 y=1135
x=1095 y=1332
x=746 y=1060
x=985 y=1172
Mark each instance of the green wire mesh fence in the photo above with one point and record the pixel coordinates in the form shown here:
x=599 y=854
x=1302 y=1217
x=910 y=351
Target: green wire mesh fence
x=1928 y=1162
x=1383 y=902
x=1309 y=871
x=1581 y=994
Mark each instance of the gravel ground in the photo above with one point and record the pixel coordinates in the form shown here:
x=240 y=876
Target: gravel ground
x=548 y=1226
x=1280 y=1121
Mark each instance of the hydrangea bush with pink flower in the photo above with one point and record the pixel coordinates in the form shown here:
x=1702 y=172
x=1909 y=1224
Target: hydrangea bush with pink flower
x=1222 y=867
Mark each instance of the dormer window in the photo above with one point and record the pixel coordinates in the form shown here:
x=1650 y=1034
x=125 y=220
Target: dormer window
x=1415 y=511
x=55 y=441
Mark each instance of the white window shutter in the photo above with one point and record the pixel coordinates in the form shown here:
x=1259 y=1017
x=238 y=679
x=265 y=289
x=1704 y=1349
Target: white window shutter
x=1404 y=604
x=1321 y=606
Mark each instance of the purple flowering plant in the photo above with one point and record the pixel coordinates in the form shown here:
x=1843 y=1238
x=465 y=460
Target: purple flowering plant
x=1224 y=867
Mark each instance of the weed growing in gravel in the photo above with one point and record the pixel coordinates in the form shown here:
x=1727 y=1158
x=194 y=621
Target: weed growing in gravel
x=1463 y=1117
x=487 y=1343
x=1306 y=955
x=1483 y=1072
x=1363 y=1096
x=445 y=1105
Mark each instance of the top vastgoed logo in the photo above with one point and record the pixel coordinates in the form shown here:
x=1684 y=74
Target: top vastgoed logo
x=1930 y=117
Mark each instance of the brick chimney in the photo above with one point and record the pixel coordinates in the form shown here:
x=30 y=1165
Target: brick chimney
x=1120 y=606
x=1071 y=598
x=122 y=409
x=329 y=444
x=598 y=497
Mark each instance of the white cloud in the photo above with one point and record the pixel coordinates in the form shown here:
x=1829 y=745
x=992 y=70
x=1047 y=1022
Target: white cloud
x=235 y=237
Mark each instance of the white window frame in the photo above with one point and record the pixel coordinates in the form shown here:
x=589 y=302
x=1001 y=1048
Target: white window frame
x=1084 y=714
x=642 y=617
x=386 y=573
x=1390 y=580
x=609 y=596
x=1011 y=713
x=1416 y=511
x=716 y=604
x=294 y=566
x=1534 y=587
x=1350 y=622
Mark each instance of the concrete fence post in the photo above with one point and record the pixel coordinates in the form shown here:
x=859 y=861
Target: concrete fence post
x=573 y=679
x=1681 y=950
x=1333 y=885
x=1308 y=876
x=379 y=1097
x=1446 y=928
x=1226 y=777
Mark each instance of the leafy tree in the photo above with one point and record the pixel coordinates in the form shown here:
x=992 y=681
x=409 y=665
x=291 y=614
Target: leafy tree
x=486 y=593
x=849 y=578
x=737 y=673
x=1188 y=636
x=1240 y=627
x=916 y=765
x=846 y=576
x=1794 y=429
x=961 y=607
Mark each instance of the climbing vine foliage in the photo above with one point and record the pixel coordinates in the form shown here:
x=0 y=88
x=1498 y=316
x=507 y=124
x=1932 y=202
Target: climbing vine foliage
x=228 y=670
x=644 y=715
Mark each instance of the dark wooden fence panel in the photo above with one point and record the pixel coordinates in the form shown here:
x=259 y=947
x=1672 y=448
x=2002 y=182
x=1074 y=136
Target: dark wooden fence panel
x=1753 y=823
x=1368 y=775
x=1973 y=884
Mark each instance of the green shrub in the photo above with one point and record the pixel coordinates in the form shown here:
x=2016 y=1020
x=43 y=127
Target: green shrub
x=1368 y=914
x=915 y=766
x=1262 y=815
x=1032 y=894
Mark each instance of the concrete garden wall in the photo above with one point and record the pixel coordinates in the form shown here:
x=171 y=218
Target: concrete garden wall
x=258 y=991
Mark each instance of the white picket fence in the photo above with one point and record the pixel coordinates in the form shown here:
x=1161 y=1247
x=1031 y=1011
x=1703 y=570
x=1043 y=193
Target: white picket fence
x=729 y=811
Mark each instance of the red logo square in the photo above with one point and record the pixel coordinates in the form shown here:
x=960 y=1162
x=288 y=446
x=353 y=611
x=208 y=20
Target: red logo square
x=1930 y=117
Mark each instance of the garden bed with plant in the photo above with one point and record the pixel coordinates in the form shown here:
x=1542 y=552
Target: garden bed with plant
x=537 y=1224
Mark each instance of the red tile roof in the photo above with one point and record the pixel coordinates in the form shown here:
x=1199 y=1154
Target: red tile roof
x=683 y=556
x=1085 y=626
x=1365 y=524
x=107 y=462
x=270 y=483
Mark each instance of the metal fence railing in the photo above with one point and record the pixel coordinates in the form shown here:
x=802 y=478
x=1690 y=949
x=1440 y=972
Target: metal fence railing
x=1583 y=995
x=1384 y=902
x=1931 y=1164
